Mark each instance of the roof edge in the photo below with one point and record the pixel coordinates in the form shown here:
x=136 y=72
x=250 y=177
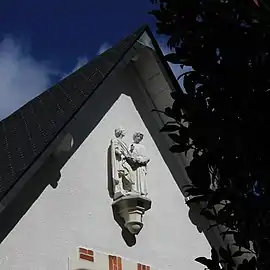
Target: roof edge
x=12 y=192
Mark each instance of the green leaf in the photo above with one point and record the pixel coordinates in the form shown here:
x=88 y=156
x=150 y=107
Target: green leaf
x=184 y=74
x=238 y=253
x=205 y=261
x=214 y=256
x=265 y=4
x=169 y=128
x=228 y=232
x=226 y=256
x=176 y=138
x=208 y=215
x=172 y=58
x=190 y=190
x=175 y=59
x=189 y=84
x=179 y=148
x=169 y=112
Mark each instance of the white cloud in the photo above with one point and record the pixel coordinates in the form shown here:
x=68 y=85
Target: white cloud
x=81 y=61
x=104 y=47
x=21 y=76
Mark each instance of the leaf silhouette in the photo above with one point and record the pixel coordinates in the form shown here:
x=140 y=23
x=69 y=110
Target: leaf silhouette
x=221 y=104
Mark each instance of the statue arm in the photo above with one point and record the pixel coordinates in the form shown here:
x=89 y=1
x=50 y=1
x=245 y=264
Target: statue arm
x=116 y=148
x=142 y=158
x=120 y=150
x=117 y=151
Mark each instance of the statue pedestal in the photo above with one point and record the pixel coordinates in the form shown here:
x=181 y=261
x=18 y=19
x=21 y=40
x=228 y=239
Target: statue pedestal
x=131 y=208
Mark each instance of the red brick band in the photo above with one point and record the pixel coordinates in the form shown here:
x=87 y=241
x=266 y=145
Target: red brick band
x=86 y=254
x=142 y=267
x=115 y=263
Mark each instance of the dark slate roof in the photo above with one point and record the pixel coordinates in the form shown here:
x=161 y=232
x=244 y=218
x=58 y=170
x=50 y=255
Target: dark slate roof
x=26 y=133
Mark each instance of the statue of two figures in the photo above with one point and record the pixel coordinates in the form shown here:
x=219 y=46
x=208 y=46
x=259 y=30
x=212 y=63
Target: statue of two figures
x=129 y=165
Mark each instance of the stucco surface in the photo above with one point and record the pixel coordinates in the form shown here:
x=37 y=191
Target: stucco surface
x=78 y=212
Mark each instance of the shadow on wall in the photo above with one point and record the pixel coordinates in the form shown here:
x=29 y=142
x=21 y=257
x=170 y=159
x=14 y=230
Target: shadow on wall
x=129 y=238
x=49 y=174
x=109 y=172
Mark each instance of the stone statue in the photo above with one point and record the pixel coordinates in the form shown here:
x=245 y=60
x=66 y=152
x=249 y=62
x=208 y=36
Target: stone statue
x=129 y=169
x=121 y=170
x=129 y=165
x=138 y=160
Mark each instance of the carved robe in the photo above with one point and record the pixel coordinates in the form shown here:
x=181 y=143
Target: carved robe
x=139 y=168
x=121 y=170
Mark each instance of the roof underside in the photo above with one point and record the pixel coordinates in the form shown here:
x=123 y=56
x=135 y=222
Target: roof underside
x=26 y=133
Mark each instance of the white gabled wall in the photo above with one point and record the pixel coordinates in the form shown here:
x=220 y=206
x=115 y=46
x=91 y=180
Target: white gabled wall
x=78 y=212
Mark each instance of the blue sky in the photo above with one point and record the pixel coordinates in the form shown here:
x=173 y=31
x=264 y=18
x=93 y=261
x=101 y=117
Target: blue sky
x=42 y=41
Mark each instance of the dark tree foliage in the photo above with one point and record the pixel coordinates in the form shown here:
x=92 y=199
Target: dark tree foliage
x=222 y=114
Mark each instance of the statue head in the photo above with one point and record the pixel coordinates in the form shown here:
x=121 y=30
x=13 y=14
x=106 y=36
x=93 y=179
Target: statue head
x=120 y=132
x=137 y=137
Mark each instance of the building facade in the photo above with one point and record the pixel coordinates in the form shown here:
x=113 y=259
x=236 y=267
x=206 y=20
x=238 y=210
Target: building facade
x=58 y=213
